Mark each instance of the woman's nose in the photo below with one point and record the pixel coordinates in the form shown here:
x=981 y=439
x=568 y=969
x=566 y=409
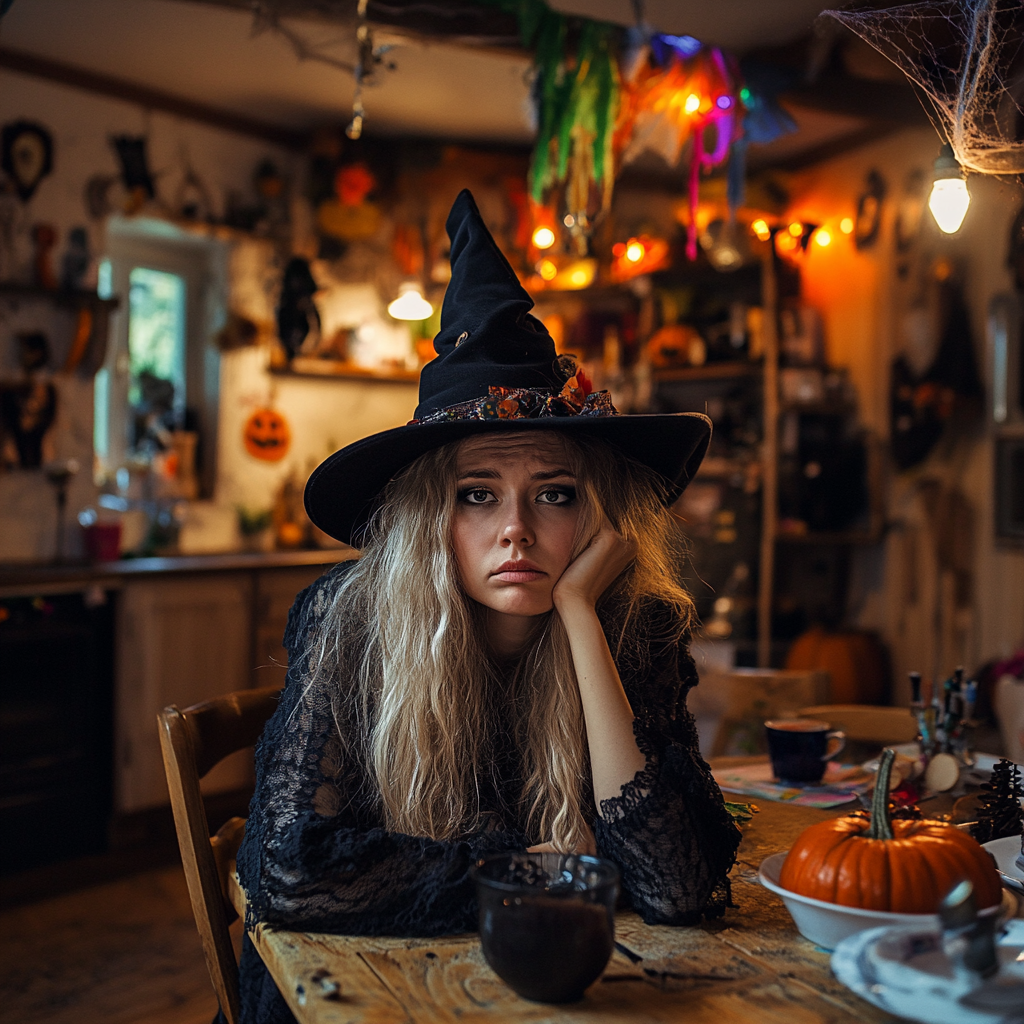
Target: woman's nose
x=517 y=529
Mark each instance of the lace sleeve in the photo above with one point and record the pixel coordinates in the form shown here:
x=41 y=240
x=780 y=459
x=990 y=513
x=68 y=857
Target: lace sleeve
x=669 y=831
x=311 y=858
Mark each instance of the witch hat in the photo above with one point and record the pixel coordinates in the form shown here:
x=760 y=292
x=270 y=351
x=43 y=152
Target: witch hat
x=496 y=370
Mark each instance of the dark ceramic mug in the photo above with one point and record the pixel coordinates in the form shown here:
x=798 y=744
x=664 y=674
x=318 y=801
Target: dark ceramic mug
x=801 y=747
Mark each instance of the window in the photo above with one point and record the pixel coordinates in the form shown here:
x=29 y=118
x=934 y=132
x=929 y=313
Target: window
x=161 y=371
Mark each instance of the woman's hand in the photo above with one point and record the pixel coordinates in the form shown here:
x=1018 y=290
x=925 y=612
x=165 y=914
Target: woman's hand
x=587 y=845
x=594 y=569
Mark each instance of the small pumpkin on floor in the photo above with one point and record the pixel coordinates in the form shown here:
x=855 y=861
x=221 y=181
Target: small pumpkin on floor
x=903 y=867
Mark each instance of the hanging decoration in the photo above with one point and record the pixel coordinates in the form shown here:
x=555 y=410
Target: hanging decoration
x=267 y=17
x=675 y=92
x=577 y=94
x=603 y=97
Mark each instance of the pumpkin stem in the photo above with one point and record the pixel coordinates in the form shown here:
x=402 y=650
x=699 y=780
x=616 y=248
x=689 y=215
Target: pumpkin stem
x=881 y=823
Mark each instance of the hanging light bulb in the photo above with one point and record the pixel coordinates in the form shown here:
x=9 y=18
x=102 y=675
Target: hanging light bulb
x=949 y=199
x=410 y=304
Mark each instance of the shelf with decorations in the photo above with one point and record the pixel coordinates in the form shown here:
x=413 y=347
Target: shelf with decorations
x=77 y=343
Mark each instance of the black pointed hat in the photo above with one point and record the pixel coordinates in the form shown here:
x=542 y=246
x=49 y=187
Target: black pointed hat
x=496 y=370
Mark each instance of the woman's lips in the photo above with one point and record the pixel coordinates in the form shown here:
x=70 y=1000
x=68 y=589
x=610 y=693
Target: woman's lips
x=519 y=575
x=518 y=572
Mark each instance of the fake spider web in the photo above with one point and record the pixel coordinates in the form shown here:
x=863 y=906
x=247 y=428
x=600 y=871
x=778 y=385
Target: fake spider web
x=965 y=57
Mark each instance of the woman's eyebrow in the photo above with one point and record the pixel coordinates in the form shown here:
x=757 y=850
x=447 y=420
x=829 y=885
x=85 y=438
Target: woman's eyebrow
x=484 y=474
x=551 y=474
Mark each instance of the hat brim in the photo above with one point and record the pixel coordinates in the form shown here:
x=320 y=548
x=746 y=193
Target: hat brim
x=342 y=492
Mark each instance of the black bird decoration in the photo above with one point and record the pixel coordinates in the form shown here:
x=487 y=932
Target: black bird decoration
x=296 y=311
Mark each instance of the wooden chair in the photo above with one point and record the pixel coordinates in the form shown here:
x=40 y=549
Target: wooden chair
x=867 y=723
x=193 y=741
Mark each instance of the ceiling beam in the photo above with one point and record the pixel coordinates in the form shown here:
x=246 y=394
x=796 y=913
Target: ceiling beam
x=145 y=96
x=457 y=22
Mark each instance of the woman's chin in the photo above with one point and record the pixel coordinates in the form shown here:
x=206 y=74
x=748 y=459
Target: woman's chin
x=522 y=605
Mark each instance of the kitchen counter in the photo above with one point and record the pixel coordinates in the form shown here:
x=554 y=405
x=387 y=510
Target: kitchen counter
x=27 y=579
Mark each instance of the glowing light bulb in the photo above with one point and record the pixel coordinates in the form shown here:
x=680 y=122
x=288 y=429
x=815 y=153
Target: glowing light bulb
x=761 y=229
x=410 y=304
x=692 y=104
x=634 y=252
x=948 y=202
x=547 y=270
x=568 y=220
x=543 y=237
x=579 y=278
x=823 y=237
x=796 y=229
x=846 y=225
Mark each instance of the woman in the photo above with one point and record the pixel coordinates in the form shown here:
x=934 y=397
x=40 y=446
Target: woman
x=504 y=668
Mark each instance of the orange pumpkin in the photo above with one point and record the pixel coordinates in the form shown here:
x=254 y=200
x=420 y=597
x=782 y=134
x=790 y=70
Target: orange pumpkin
x=906 y=867
x=266 y=435
x=855 y=661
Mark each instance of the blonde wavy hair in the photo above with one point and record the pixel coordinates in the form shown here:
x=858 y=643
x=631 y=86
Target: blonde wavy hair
x=402 y=652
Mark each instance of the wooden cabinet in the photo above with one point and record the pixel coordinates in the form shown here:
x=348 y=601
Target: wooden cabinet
x=185 y=638
x=179 y=641
x=275 y=593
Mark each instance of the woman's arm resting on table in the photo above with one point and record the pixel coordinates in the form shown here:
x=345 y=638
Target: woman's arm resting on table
x=662 y=819
x=615 y=757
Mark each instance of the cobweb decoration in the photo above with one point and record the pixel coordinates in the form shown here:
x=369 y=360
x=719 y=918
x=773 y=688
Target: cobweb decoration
x=965 y=58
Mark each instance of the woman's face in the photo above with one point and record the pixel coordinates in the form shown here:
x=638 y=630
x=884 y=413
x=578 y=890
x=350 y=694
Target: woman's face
x=515 y=520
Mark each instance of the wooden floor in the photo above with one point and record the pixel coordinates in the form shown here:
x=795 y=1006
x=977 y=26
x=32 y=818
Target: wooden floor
x=126 y=952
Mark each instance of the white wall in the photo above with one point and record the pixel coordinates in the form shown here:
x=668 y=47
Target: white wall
x=323 y=414
x=898 y=588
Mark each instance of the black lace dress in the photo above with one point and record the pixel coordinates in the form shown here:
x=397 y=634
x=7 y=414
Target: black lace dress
x=316 y=857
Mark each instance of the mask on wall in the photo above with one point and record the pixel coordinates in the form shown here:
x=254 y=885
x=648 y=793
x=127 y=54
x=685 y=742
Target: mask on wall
x=26 y=155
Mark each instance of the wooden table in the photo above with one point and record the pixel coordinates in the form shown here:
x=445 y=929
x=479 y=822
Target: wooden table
x=750 y=967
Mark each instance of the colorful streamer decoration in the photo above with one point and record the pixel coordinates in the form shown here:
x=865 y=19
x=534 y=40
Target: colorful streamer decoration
x=603 y=96
x=678 y=90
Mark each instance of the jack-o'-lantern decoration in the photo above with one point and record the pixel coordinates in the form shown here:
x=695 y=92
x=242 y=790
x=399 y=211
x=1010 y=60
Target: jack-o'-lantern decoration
x=267 y=435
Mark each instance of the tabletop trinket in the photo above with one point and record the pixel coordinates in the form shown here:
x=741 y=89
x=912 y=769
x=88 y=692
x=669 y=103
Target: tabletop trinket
x=999 y=812
x=945 y=729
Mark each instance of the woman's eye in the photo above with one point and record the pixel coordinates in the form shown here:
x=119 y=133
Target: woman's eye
x=556 y=496
x=475 y=496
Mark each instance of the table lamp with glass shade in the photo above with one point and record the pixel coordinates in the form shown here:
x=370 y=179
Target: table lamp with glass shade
x=949 y=198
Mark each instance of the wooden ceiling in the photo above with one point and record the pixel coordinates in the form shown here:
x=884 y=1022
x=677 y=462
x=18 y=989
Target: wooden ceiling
x=455 y=68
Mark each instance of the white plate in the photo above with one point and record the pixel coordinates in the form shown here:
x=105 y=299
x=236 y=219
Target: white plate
x=1005 y=853
x=827 y=924
x=904 y=971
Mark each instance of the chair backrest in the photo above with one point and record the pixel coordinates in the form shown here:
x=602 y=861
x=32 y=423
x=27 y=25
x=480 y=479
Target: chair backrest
x=193 y=741
x=867 y=723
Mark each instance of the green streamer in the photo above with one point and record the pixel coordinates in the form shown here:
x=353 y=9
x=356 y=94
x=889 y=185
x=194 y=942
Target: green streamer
x=584 y=95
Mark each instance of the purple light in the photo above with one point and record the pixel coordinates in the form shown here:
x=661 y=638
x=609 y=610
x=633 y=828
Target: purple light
x=686 y=45
x=723 y=102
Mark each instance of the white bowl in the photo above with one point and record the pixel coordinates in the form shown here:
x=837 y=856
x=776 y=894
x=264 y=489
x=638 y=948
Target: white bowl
x=827 y=924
